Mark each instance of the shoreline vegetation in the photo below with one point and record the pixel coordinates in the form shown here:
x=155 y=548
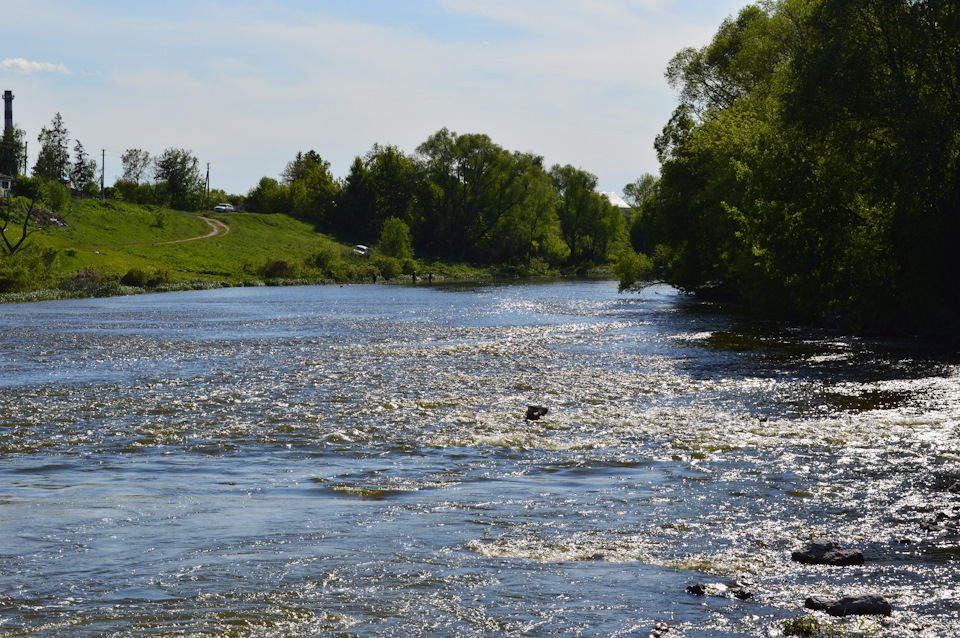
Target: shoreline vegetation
x=111 y=248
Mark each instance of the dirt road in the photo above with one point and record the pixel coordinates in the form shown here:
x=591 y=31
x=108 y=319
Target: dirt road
x=217 y=228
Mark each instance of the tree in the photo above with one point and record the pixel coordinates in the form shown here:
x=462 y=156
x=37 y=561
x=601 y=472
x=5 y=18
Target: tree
x=178 y=173
x=813 y=165
x=313 y=189
x=135 y=164
x=84 y=169
x=382 y=184
x=579 y=205
x=9 y=220
x=469 y=184
x=12 y=151
x=53 y=160
x=637 y=192
x=269 y=196
x=529 y=230
x=395 y=239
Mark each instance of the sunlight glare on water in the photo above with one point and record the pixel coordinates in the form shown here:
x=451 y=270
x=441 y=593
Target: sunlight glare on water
x=354 y=461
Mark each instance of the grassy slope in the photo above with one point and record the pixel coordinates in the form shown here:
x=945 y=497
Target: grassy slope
x=104 y=241
x=111 y=238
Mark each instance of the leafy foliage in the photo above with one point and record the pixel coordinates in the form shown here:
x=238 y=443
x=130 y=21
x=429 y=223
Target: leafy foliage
x=12 y=151
x=812 y=165
x=53 y=160
x=179 y=183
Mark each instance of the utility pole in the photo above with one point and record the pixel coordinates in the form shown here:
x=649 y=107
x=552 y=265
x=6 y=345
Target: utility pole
x=103 y=169
x=206 y=189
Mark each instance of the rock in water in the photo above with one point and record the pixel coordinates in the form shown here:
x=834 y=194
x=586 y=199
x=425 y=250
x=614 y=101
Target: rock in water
x=851 y=606
x=534 y=412
x=697 y=589
x=828 y=553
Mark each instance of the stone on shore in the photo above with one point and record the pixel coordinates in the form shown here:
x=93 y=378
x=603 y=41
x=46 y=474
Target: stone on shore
x=827 y=553
x=850 y=605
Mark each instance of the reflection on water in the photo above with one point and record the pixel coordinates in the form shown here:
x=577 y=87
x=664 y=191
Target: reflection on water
x=354 y=461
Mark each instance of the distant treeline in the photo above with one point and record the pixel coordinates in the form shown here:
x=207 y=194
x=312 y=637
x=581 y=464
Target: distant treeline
x=812 y=166
x=462 y=197
x=459 y=197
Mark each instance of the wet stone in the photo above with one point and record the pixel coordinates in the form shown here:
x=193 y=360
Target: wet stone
x=697 y=589
x=827 y=553
x=850 y=605
x=534 y=412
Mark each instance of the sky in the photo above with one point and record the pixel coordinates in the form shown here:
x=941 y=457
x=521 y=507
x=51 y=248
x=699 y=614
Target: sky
x=244 y=85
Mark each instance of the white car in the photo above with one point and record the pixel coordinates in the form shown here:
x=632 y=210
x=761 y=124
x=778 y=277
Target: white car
x=223 y=208
x=362 y=250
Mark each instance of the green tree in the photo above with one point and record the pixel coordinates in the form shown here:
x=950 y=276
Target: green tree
x=12 y=151
x=380 y=185
x=53 y=160
x=135 y=162
x=530 y=230
x=83 y=169
x=356 y=208
x=177 y=172
x=269 y=196
x=637 y=192
x=812 y=165
x=469 y=185
x=395 y=239
x=589 y=224
x=875 y=84
x=313 y=189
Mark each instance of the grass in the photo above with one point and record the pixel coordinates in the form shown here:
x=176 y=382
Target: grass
x=106 y=246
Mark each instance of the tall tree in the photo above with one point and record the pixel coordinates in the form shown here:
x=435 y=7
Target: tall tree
x=84 y=169
x=588 y=222
x=53 y=160
x=178 y=173
x=135 y=163
x=470 y=183
x=313 y=189
x=12 y=151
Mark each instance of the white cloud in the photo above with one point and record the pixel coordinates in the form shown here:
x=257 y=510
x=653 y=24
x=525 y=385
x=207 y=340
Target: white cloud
x=27 y=67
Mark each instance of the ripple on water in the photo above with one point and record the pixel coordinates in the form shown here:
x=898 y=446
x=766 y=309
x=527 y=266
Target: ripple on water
x=305 y=461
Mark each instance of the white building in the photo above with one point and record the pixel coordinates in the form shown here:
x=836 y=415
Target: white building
x=618 y=202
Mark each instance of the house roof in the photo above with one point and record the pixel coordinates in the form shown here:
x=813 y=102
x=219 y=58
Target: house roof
x=615 y=199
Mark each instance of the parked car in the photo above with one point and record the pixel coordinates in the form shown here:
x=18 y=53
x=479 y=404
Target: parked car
x=223 y=208
x=362 y=250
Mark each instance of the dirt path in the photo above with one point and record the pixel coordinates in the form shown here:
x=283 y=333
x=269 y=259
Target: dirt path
x=217 y=228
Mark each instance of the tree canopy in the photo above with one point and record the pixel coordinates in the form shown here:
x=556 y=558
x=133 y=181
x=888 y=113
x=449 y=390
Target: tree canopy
x=460 y=196
x=811 y=165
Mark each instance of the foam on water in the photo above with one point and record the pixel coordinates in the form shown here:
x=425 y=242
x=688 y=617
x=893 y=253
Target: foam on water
x=301 y=461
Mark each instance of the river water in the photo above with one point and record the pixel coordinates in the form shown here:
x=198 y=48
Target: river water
x=353 y=461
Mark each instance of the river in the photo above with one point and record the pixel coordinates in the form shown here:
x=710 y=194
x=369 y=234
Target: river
x=354 y=461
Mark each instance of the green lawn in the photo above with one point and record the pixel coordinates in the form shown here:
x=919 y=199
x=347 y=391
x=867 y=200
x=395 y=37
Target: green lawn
x=114 y=248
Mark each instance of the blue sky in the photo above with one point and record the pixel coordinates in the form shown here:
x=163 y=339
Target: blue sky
x=245 y=85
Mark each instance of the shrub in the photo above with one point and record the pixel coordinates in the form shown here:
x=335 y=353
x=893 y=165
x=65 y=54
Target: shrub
x=389 y=267
x=134 y=277
x=279 y=269
x=326 y=257
x=142 y=279
x=28 y=269
x=395 y=239
x=57 y=196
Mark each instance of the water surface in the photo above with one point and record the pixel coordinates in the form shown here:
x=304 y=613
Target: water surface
x=353 y=461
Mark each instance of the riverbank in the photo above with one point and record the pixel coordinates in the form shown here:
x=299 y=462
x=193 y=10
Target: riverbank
x=99 y=248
